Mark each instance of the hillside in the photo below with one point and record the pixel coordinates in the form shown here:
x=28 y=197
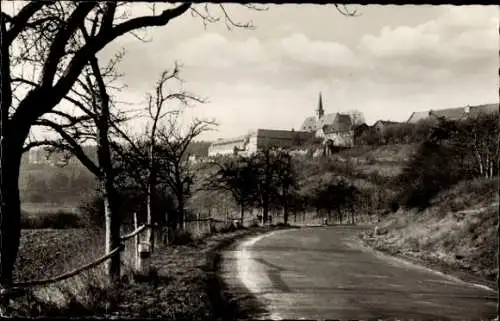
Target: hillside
x=457 y=231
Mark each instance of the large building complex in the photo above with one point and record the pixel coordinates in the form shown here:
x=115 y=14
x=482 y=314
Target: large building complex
x=258 y=140
x=335 y=129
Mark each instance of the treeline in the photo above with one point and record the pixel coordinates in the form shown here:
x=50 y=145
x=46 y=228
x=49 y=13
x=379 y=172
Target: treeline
x=47 y=184
x=448 y=152
x=272 y=181
x=408 y=133
x=73 y=183
x=452 y=151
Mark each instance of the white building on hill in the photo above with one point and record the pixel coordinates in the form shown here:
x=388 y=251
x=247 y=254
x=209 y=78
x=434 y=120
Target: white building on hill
x=258 y=140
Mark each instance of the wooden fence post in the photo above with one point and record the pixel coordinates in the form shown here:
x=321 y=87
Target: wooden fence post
x=136 y=242
x=198 y=223
x=4 y=302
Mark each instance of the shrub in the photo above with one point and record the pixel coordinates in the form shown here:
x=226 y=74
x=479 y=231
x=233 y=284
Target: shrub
x=92 y=210
x=129 y=202
x=183 y=237
x=432 y=169
x=394 y=206
x=56 y=220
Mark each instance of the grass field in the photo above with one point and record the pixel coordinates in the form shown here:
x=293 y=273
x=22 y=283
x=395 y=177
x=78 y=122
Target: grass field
x=47 y=252
x=46 y=207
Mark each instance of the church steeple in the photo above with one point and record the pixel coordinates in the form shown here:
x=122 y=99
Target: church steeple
x=320 y=112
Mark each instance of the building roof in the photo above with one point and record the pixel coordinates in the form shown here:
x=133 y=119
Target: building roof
x=455 y=113
x=341 y=123
x=418 y=116
x=484 y=109
x=282 y=134
x=225 y=141
x=309 y=123
x=385 y=122
x=314 y=124
x=241 y=141
x=449 y=113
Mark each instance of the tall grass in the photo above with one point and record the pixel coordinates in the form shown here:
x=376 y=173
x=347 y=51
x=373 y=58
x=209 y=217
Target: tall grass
x=48 y=253
x=458 y=229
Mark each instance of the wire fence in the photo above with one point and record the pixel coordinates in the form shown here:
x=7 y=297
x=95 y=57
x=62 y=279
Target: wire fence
x=129 y=244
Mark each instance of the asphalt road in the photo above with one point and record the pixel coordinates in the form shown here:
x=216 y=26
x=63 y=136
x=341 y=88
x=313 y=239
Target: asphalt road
x=324 y=273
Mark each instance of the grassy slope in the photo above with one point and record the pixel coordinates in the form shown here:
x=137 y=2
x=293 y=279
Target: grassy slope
x=45 y=252
x=458 y=232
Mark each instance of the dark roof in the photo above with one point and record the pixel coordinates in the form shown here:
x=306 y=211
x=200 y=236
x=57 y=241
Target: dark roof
x=341 y=123
x=450 y=113
x=282 y=134
x=386 y=122
x=455 y=113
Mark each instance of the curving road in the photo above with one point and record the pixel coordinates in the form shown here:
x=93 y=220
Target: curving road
x=324 y=273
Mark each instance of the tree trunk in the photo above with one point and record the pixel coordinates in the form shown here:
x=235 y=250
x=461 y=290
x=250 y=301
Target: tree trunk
x=242 y=214
x=150 y=195
x=10 y=214
x=285 y=206
x=180 y=211
x=112 y=219
x=265 y=209
x=10 y=206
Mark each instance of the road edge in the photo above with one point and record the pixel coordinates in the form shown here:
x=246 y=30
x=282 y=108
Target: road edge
x=440 y=269
x=223 y=305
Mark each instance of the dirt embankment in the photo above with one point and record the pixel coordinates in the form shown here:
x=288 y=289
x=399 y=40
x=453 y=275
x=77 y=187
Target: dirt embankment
x=458 y=233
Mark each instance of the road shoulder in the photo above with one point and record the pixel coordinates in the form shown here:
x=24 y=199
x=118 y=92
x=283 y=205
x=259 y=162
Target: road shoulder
x=366 y=242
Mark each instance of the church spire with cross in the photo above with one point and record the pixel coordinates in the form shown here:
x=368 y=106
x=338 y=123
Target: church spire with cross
x=320 y=112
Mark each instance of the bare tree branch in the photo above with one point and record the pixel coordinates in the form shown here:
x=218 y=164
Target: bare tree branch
x=343 y=10
x=19 y=21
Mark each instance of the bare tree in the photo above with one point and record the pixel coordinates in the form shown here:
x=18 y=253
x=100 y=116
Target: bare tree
x=236 y=176
x=95 y=123
x=482 y=135
x=285 y=178
x=357 y=117
x=45 y=37
x=174 y=143
x=172 y=152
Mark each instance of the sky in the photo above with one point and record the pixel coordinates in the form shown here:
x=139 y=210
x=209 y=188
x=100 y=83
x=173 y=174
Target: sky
x=386 y=63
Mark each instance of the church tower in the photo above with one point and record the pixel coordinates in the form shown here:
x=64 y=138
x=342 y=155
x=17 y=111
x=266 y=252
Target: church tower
x=320 y=112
